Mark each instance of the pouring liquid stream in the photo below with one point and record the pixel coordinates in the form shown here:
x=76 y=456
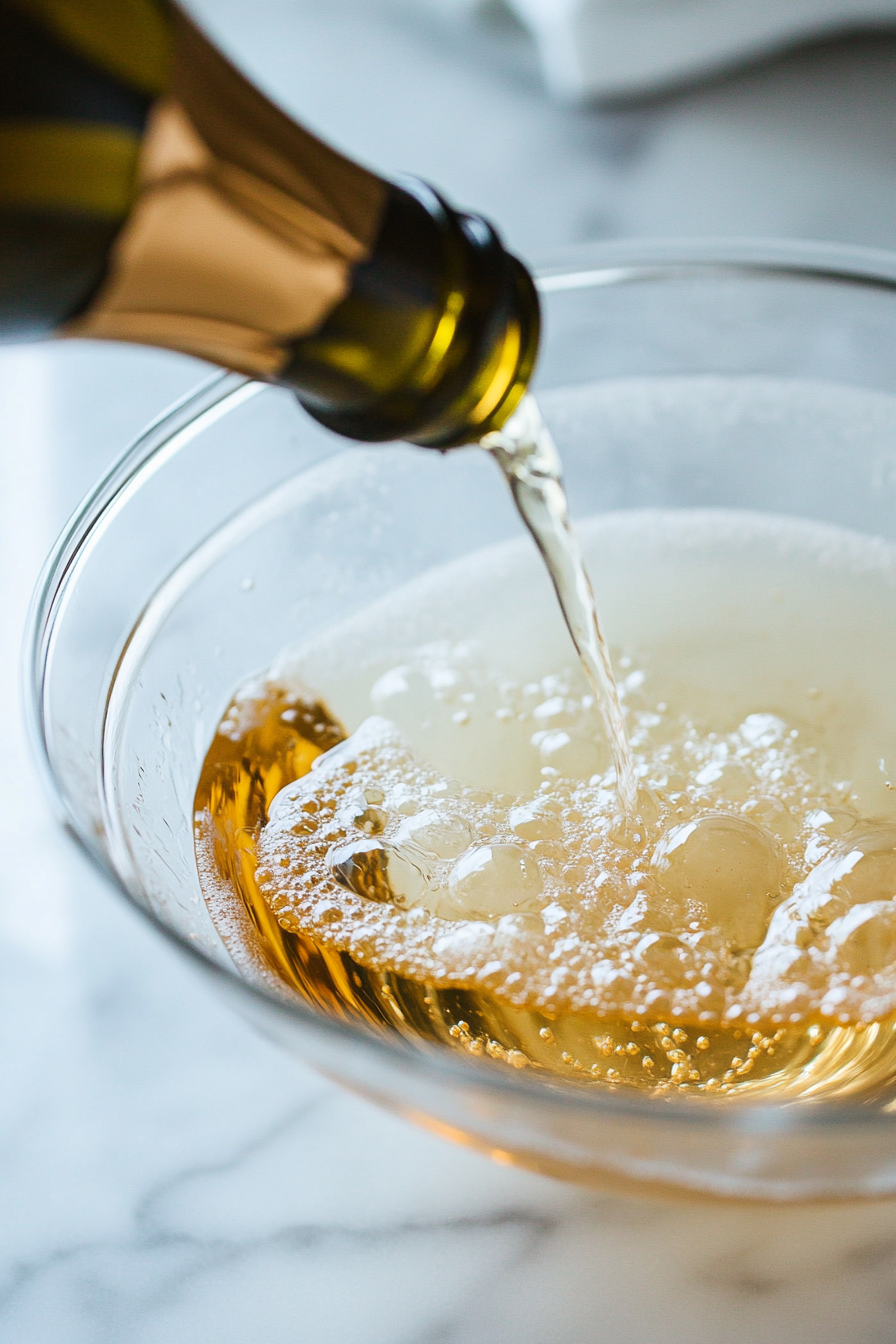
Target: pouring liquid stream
x=527 y=455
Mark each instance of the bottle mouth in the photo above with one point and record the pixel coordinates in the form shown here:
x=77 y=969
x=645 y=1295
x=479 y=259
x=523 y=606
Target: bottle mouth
x=437 y=338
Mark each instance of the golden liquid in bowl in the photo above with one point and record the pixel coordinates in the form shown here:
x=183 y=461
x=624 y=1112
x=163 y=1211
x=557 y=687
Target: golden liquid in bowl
x=456 y=868
x=239 y=780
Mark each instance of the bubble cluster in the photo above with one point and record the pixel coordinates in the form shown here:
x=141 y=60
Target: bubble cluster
x=745 y=890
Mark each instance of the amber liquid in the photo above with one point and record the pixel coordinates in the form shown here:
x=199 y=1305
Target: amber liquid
x=271 y=738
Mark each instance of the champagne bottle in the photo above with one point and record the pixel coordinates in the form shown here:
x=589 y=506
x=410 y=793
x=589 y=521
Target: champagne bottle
x=149 y=193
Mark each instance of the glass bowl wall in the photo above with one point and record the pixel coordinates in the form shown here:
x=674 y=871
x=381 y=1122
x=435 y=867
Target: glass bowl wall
x=756 y=377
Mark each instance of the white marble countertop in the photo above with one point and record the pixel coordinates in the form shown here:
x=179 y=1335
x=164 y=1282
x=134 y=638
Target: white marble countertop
x=166 y=1175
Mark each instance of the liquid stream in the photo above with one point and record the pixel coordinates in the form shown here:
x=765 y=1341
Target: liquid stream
x=527 y=455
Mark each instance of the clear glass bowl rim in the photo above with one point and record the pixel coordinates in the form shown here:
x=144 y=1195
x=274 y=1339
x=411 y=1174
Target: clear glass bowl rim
x=585 y=267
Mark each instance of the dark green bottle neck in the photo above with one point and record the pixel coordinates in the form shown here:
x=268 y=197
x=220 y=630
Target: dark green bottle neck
x=176 y=206
x=437 y=338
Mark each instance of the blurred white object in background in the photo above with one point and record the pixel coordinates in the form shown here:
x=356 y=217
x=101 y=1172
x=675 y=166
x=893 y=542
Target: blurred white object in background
x=610 y=48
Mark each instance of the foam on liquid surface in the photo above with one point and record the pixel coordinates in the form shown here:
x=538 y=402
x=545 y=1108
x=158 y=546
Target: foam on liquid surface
x=467 y=832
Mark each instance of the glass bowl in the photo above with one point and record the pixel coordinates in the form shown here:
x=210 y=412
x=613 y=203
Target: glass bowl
x=748 y=376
